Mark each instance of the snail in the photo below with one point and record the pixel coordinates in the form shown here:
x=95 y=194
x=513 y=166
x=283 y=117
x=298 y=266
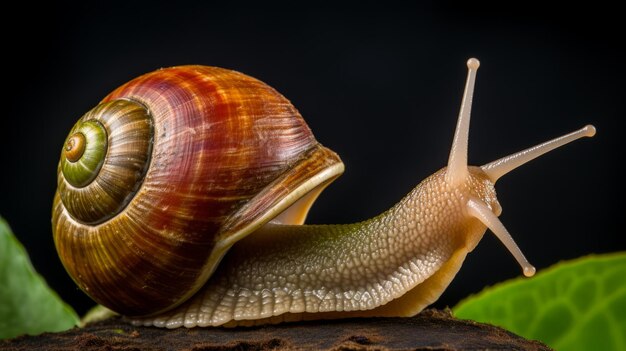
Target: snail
x=182 y=196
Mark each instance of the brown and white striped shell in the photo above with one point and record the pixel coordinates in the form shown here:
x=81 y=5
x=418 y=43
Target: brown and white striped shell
x=160 y=179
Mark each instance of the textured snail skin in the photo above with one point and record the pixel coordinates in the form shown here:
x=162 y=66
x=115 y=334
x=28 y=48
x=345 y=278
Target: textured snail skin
x=289 y=273
x=219 y=139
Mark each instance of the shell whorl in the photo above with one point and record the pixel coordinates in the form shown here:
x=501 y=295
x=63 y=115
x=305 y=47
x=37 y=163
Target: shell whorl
x=214 y=141
x=105 y=159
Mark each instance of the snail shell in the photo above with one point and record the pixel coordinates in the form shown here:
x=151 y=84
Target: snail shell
x=168 y=172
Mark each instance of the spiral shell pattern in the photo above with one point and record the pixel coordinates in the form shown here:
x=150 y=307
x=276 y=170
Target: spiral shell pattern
x=194 y=157
x=117 y=140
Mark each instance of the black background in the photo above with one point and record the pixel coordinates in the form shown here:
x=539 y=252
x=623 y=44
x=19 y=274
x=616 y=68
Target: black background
x=380 y=86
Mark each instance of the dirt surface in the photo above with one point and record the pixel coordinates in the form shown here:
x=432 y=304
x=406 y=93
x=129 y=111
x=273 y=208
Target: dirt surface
x=430 y=330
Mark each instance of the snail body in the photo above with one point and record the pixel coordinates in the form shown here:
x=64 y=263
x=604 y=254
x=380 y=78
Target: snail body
x=203 y=178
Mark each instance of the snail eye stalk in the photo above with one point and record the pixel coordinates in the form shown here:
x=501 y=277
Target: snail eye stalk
x=496 y=169
x=457 y=163
x=480 y=211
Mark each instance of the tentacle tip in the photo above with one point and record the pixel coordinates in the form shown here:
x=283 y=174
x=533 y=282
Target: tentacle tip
x=473 y=63
x=529 y=271
x=589 y=130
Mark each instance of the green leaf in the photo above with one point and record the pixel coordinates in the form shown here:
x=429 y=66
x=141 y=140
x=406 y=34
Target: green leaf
x=27 y=304
x=96 y=314
x=574 y=305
